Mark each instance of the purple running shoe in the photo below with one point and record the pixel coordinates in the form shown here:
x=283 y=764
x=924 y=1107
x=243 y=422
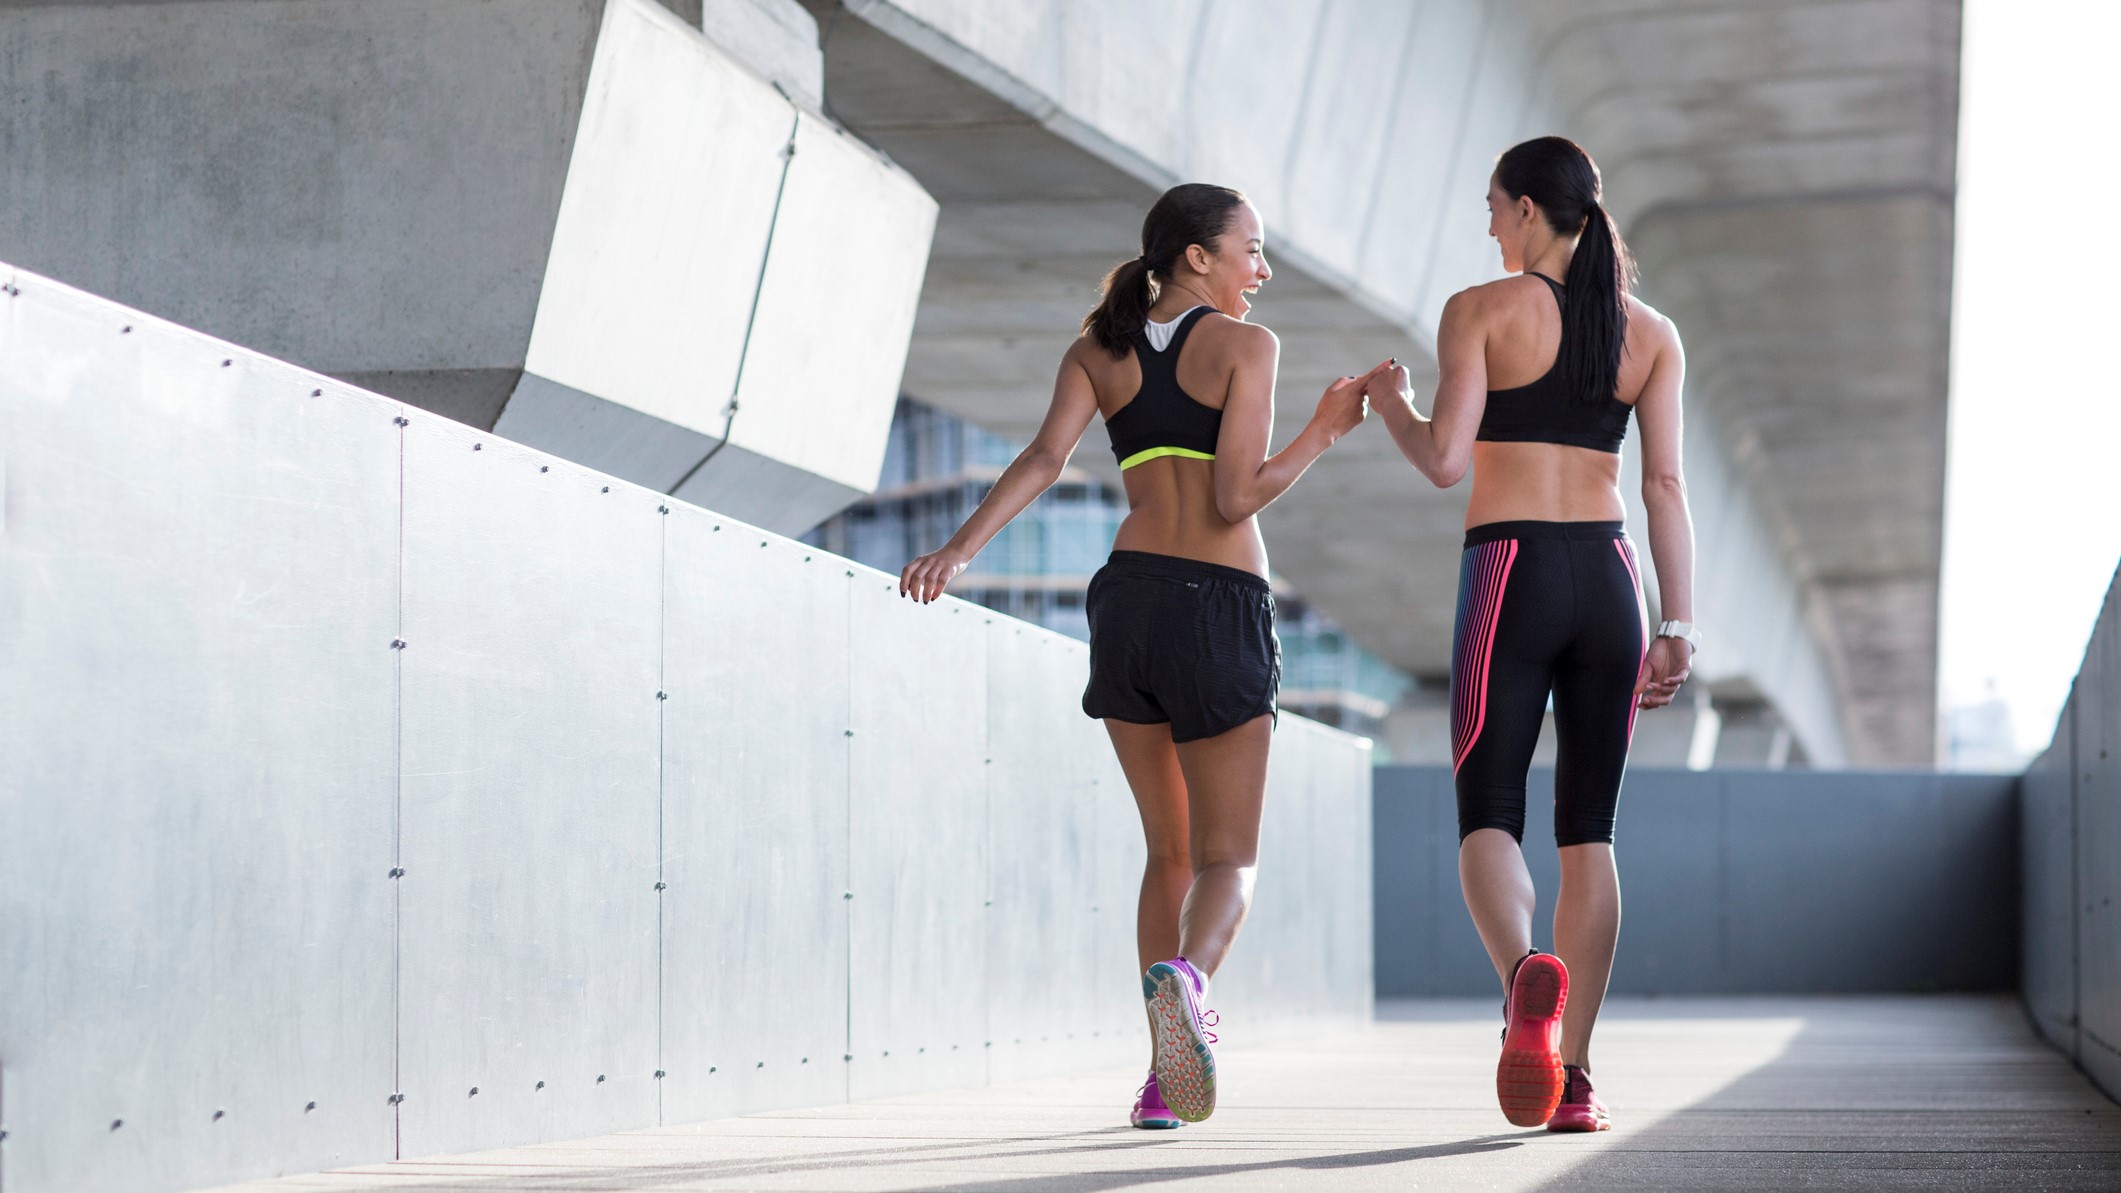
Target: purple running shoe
x=1184 y=1067
x=1150 y=1113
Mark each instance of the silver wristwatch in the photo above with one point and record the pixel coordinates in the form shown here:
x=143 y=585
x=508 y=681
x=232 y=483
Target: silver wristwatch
x=1682 y=630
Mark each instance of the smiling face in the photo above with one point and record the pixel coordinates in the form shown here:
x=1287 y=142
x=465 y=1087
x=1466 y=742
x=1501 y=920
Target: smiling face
x=1237 y=266
x=1511 y=222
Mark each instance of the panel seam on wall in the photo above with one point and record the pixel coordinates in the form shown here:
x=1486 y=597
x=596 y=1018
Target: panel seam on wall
x=662 y=765
x=2076 y=926
x=987 y=917
x=397 y=837
x=847 y=838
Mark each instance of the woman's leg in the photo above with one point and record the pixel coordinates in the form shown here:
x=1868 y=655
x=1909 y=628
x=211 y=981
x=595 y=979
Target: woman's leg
x=1226 y=781
x=1594 y=720
x=1586 y=929
x=1151 y=765
x=1500 y=669
x=1498 y=890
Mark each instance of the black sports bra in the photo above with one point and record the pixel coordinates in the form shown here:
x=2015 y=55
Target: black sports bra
x=1546 y=412
x=1163 y=419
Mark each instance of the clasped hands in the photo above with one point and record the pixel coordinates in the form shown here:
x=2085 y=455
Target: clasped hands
x=1666 y=663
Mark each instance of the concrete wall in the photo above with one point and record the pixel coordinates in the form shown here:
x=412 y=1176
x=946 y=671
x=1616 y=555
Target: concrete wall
x=2072 y=832
x=375 y=786
x=1733 y=882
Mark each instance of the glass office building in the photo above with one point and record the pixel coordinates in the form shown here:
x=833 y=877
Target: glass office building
x=938 y=467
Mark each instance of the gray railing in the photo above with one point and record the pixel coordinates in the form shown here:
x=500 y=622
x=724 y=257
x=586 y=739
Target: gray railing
x=1734 y=882
x=2072 y=833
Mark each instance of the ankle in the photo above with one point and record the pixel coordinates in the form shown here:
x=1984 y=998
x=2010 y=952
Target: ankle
x=1199 y=977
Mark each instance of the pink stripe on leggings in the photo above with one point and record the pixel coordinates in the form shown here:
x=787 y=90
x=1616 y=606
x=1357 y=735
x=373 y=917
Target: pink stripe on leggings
x=1494 y=575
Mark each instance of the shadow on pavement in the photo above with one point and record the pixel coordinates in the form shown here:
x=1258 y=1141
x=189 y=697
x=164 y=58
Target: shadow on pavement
x=1097 y=1182
x=1888 y=1093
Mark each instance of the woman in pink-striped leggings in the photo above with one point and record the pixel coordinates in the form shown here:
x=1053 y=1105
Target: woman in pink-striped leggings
x=1539 y=375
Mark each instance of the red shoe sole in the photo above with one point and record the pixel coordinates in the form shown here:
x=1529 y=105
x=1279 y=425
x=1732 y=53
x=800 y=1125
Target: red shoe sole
x=1528 y=1079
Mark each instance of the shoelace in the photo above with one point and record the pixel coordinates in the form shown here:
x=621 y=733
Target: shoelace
x=1206 y=1020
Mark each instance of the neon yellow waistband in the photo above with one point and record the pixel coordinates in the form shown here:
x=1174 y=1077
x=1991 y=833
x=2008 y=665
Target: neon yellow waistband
x=1158 y=452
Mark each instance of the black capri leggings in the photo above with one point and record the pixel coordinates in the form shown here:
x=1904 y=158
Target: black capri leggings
x=1545 y=607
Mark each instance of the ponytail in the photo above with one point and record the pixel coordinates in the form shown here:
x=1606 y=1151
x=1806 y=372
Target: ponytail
x=1563 y=182
x=1188 y=214
x=1123 y=306
x=1595 y=323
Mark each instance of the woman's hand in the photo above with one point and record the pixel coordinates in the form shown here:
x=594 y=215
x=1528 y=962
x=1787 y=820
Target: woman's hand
x=1664 y=667
x=1390 y=382
x=925 y=578
x=1344 y=405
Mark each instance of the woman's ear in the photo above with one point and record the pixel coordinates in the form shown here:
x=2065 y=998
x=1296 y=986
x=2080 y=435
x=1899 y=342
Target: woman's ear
x=1198 y=258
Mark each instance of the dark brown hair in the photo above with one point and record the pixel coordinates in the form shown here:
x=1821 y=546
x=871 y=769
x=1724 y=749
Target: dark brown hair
x=1188 y=214
x=1556 y=174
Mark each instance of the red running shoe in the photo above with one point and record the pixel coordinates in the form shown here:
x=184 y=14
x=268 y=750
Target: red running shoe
x=1580 y=1109
x=1528 y=1080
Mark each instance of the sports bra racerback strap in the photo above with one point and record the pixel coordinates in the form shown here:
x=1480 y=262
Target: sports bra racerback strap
x=1163 y=419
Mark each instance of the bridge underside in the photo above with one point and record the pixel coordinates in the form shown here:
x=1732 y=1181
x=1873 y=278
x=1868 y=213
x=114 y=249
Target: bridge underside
x=1784 y=170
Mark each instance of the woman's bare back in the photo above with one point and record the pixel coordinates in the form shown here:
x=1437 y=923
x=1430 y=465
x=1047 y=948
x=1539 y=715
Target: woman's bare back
x=1549 y=482
x=1171 y=500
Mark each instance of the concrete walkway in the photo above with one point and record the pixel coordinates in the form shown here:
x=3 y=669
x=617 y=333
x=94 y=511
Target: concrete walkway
x=1857 y=1093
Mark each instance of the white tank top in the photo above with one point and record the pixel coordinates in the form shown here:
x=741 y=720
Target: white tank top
x=1160 y=333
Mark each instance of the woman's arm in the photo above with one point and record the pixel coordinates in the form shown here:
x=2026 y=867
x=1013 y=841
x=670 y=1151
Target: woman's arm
x=1032 y=472
x=1441 y=447
x=1247 y=479
x=1669 y=660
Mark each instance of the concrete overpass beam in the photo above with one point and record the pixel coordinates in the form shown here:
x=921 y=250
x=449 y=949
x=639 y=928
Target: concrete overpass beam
x=570 y=222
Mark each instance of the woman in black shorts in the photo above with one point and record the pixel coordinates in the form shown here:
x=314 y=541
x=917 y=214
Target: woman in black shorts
x=1537 y=377
x=1183 y=660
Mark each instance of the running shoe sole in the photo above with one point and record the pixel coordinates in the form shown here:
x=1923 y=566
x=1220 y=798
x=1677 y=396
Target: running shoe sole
x=1147 y=1122
x=1528 y=1079
x=1185 y=1068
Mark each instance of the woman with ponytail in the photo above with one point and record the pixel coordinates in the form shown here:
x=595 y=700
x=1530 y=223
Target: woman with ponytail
x=1538 y=375
x=1184 y=664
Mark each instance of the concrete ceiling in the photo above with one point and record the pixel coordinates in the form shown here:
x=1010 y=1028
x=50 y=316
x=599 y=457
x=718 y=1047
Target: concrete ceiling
x=1784 y=169
x=1786 y=172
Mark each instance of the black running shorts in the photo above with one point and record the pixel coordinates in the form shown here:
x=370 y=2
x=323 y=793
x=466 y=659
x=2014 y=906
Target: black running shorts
x=1180 y=641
